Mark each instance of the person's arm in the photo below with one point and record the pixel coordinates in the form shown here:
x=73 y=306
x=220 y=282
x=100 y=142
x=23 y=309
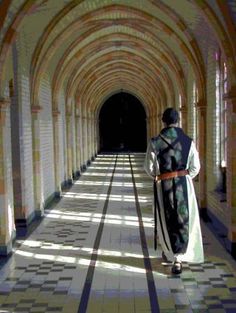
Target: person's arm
x=150 y=163
x=194 y=162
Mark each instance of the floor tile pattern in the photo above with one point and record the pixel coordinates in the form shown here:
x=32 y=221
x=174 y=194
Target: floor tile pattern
x=48 y=270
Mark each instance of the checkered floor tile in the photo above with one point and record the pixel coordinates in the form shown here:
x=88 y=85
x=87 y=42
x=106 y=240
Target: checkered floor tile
x=88 y=254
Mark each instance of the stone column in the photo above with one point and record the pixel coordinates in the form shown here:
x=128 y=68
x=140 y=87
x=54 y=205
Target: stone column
x=89 y=142
x=150 y=125
x=149 y=130
x=37 y=170
x=69 y=146
x=73 y=144
x=93 y=149
x=159 y=125
x=154 y=125
x=201 y=107
x=57 y=160
x=7 y=226
x=96 y=135
x=184 y=117
x=77 y=142
x=231 y=168
x=85 y=143
x=80 y=129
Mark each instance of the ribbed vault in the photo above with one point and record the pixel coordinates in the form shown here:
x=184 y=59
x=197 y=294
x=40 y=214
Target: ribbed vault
x=61 y=60
x=77 y=34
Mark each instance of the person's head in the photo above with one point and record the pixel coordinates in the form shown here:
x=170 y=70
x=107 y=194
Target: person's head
x=170 y=116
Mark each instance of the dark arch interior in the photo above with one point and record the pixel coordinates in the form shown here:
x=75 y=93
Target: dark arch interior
x=122 y=124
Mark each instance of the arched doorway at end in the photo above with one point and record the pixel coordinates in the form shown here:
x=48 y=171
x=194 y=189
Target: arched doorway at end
x=122 y=124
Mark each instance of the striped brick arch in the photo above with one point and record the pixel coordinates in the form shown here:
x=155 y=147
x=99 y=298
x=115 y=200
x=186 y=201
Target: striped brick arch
x=82 y=52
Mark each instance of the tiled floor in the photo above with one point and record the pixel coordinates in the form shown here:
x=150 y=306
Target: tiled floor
x=93 y=252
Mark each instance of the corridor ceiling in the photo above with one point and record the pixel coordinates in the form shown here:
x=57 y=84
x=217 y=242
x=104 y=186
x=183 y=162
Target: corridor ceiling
x=92 y=49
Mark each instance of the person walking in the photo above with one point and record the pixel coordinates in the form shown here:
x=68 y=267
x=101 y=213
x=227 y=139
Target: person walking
x=172 y=161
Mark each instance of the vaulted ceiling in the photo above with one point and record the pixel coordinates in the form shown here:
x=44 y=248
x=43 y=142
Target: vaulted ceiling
x=94 y=48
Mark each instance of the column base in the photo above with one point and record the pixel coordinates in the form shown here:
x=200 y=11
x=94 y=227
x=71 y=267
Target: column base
x=23 y=224
x=83 y=168
x=58 y=194
x=70 y=181
x=76 y=175
x=39 y=214
x=88 y=162
x=221 y=234
x=6 y=250
x=233 y=249
x=203 y=212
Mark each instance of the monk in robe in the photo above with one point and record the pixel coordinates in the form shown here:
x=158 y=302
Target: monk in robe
x=172 y=161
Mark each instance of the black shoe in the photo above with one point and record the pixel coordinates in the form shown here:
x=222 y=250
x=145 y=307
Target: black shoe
x=165 y=261
x=177 y=267
x=164 y=258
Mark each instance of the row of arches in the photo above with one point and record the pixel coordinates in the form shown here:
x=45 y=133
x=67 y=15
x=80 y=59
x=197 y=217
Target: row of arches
x=64 y=62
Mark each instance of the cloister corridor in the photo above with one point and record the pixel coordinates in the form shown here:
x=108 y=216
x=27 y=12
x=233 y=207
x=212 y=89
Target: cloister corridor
x=93 y=252
x=83 y=88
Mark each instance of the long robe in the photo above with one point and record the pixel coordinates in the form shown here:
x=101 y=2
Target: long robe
x=175 y=204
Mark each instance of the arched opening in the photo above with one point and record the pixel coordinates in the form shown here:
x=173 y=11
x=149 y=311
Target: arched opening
x=122 y=124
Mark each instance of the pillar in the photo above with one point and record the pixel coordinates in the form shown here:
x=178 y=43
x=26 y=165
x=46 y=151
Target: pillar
x=85 y=142
x=155 y=124
x=69 y=146
x=96 y=135
x=89 y=138
x=77 y=142
x=149 y=133
x=184 y=118
x=93 y=136
x=201 y=108
x=57 y=161
x=80 y=130
x=231 y=168
x=38 y=198
x=159 y=125
x=7 y=227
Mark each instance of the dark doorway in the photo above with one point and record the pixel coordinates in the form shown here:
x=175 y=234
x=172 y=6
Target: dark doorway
x=122 y=124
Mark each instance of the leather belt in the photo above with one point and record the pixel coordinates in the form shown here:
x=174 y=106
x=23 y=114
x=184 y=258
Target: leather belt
x=170 y=175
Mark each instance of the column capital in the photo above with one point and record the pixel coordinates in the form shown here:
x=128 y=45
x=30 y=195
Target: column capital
x=4 y=103
x=36 y=108
x=231 y=95
x=183 y=109
x=68 y=112
x=201 y=105
x=77 y=112
x=55 y=112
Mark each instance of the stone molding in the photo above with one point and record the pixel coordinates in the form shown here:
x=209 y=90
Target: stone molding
x=4 y=103
x=36 y=109
x=55 y=113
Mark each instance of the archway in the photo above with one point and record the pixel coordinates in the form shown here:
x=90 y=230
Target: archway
x=122 y=124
